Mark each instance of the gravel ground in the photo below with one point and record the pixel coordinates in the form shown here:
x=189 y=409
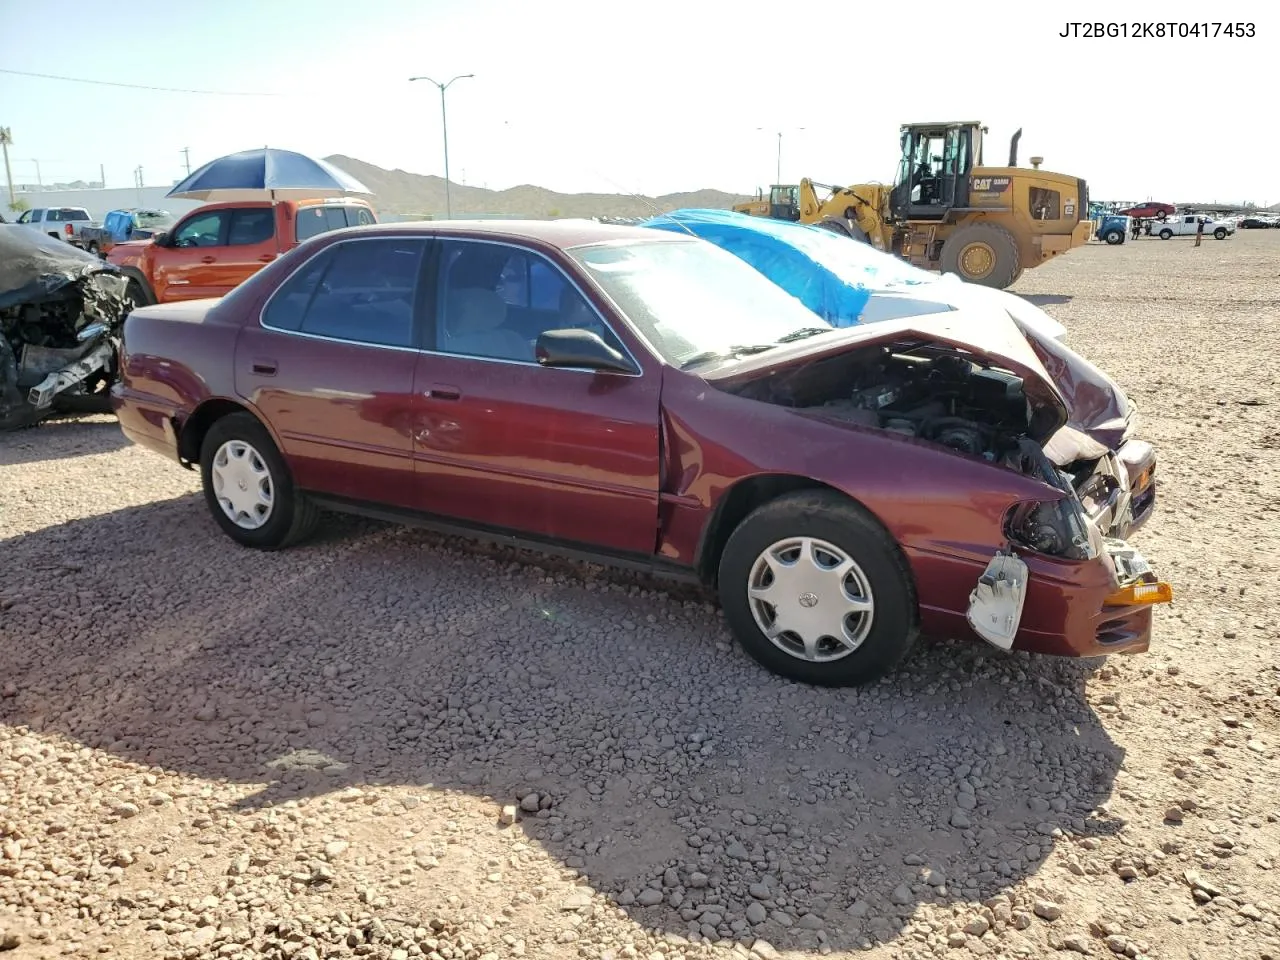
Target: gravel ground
x=391 y=744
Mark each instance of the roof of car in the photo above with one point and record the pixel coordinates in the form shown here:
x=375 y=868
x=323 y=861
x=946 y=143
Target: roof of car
x=558 y=233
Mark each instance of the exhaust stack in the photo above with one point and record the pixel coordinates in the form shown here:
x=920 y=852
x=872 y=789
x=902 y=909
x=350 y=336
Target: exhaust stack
x=1013 y=148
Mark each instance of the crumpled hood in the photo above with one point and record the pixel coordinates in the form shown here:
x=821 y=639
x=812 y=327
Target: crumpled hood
x=1068 y=389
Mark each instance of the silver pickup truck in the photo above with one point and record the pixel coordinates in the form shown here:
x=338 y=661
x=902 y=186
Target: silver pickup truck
x=63 y=223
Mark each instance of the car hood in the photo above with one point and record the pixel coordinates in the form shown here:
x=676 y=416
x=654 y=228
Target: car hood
x=1070 y=391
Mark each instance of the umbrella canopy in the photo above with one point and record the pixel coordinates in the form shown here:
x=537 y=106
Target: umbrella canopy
x=267 y=174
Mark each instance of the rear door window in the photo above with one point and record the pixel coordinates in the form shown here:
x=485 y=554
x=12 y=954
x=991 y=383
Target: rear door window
x=251 y=226
x=361 y=291
x=313 y=221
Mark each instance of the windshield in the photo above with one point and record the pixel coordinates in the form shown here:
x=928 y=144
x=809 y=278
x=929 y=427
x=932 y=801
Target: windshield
x=691 y=299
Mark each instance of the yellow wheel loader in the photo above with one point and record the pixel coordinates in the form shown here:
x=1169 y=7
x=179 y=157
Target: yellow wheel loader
x=946 y=211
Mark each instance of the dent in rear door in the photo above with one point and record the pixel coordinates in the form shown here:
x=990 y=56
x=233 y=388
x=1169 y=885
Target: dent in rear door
x=995 y=605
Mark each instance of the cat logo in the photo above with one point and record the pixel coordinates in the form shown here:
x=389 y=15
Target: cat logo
x=991 y=184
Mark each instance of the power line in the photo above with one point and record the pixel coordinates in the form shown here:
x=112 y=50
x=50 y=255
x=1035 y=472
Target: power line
x=138 y=86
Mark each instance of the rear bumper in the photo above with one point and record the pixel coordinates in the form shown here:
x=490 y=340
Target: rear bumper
x=146 y=420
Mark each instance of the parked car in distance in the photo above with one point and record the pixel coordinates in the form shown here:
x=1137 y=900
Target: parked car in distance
x=646 y=398
x=1258 y=223
x=121 y=225
x=62 y=223
x=219 y=245
x=1149 y=211
x=1113 y=228
x=1187 y=225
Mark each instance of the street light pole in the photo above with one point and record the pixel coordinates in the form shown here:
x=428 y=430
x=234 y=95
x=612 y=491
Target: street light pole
x=779 y=170
x=444 y=123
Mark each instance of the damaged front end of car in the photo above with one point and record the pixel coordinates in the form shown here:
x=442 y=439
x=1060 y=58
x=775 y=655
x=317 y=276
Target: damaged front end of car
x=61 y=313
x=986 y=387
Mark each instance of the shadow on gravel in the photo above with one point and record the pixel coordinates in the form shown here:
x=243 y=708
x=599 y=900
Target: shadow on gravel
x=60 y=439
x=1046 y=299
x=677 y=771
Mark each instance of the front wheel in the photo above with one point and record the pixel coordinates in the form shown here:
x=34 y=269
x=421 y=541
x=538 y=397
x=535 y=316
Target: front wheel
x=248 y=487
x=817 y=591
x=1220 y=234
x=1166 y=234
x=1113 y=237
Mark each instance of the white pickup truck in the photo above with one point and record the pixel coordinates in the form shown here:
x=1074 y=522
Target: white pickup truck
x=1185 y=225
x=61 y=223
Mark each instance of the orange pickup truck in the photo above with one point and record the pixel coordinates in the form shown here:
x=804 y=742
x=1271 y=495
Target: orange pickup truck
x=220 y=245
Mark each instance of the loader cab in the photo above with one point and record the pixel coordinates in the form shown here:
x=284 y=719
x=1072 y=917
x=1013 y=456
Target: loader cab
x=784 y=201
x=933 y=172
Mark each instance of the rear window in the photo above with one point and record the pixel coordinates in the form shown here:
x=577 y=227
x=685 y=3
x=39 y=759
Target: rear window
x=66 y=214
x=316 y=220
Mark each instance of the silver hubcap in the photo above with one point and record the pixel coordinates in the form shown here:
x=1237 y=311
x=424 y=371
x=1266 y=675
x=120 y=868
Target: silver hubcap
x=242 y=484
x=810 y=599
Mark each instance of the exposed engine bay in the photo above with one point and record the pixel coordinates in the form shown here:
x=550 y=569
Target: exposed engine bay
x=61 y=310
x=931 y=393
x=942 y=395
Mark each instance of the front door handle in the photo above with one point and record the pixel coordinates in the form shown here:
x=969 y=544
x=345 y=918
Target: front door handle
x=443 y=391
x=208 y=259
x=265 y=367
x=267 y=257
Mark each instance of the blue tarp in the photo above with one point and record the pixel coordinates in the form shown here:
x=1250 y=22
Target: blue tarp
x=833 y=276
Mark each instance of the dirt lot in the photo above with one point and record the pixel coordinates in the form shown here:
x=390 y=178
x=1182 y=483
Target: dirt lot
x=206 y=752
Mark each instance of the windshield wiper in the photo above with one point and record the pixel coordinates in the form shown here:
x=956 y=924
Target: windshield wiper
x=803 y=333
x=735 y=351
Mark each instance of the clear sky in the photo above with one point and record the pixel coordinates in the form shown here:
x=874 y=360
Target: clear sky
x=648 y=97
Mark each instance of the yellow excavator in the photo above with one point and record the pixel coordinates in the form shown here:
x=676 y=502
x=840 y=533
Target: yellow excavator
x=946 y=211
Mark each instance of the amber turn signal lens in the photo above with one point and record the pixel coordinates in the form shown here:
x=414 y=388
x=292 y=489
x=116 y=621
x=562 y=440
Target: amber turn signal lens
x=1137 y=594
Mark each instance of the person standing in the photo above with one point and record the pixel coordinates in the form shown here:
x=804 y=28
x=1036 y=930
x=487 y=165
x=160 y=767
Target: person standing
x=1199 y=230
x=1137 y=227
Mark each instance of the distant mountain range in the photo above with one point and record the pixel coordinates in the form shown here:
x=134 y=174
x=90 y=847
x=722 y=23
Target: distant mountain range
x=397 y=191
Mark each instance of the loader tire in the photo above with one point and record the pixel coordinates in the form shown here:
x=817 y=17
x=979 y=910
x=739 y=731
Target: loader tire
x=982 y=253
x=845 y=230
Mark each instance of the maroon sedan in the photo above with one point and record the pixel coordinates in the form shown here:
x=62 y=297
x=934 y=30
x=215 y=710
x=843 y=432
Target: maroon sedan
x=646 y=398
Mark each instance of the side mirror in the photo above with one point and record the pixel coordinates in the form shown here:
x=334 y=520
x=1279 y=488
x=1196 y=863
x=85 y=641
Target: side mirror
x=161 y=239
x=578 y=348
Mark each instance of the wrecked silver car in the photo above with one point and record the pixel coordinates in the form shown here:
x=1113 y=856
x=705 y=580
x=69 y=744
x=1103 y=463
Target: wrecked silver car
x=61 y=311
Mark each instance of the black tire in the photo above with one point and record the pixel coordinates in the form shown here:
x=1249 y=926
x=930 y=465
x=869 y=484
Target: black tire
x=997 y=241
x=293 y=516
x=1220 y=233
x=1166 y=234
x=1114 y=236
x=92 y=247
x=828 y=516
x=834 y=226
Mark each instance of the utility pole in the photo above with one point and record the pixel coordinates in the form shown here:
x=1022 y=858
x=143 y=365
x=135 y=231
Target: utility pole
x=186 y=159
x=6 y=138
x=444 y=123
x=39 y=179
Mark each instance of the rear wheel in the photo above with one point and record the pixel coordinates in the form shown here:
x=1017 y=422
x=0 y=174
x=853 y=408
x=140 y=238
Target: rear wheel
x=817 y=591
x=93 y=247
x=982 y=253
x=248 y=487
x=1113 y=236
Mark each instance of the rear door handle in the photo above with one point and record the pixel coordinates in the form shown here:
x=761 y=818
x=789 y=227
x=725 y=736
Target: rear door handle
x=443 y=391
x=208 y=259
x=265 y=367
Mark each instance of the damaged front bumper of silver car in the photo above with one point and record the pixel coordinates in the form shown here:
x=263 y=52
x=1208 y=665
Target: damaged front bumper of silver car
x=61 y=312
